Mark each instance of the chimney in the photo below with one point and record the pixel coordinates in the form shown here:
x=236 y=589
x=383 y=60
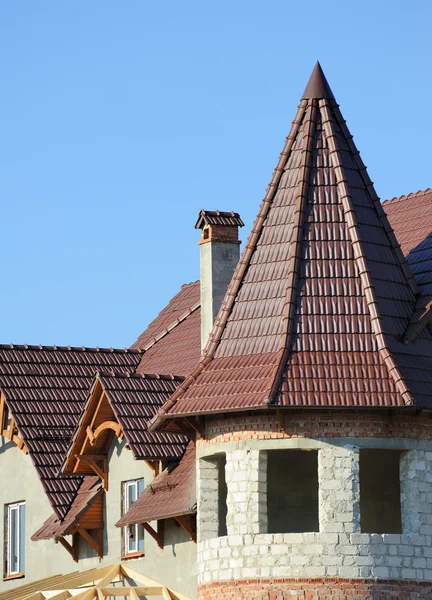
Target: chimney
x=219 y=255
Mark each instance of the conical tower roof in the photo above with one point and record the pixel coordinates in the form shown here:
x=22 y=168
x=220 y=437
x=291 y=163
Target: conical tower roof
x=318 y=306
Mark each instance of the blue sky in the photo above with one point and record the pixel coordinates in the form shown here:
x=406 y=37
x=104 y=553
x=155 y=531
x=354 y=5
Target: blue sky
x=120 y=120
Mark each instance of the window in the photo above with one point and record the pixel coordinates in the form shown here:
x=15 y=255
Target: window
x=222 y=495
x=133 y=534
x=292 y=491
x=380 y=504
x=15 y=540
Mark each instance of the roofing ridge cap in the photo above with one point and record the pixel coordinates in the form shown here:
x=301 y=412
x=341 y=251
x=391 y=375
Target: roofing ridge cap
x=128 y=375
x=239 y=273
x=289 y=307
x=396 y=199
x=171 y=326
x=70 y=348
x=359 y=257
x=375 y=199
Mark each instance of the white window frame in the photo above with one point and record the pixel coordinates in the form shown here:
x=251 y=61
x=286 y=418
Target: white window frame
x=20 y=547
x=132 y=533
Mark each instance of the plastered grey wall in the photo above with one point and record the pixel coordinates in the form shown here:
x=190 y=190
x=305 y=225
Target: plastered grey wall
x=20 y=482
x=174 y=566
x=339 y=548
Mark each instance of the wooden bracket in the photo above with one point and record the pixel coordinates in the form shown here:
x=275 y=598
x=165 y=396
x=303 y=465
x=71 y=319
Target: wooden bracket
x=154 y=466
x=96 y=545
x=188 y=523
x=72 y=549
x=155 y=535
x=92 y=461
x=10 y=431
x=197 y=425
x=281 y=419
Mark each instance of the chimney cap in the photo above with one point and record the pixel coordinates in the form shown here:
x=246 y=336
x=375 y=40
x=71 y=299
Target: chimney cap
x=218 y=218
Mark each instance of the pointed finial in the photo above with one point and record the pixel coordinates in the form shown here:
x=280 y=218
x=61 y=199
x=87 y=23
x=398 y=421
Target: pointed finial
x=317 y=86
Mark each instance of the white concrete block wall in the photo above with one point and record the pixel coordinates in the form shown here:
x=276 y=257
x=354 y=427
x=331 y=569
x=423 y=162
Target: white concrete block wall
x=246 y=472
x=339 y=549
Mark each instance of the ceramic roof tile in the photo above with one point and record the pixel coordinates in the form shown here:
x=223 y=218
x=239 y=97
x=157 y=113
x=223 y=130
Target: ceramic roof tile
x=45 y=389
x=172 y=342
x=89 y=490
x=321 y=283
x=134 y=400
x=171 y=494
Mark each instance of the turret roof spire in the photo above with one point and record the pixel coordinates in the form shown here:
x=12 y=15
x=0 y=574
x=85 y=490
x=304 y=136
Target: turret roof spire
x=318 y=86
x=319 y=304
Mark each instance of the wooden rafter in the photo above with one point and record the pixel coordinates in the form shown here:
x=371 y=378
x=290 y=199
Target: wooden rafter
x=10 y=431
x=197 y=424
x=95 y=544
x=71 y=548
x=154 y=466
x=155 y=535
x=187 y=522
x=96 y=584
x=101 y=471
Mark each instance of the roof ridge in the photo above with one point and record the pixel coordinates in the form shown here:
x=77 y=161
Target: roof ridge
x=288 y=311
x=240 y=270
x=374 y=198
x=133 y=375
x=405 y=196
x=54 y=348
x=171 y=326
x=360 y=259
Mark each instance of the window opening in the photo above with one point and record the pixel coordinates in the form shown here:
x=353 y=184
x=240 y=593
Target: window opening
x=222 y=495
x=292 y=491
x=133 y=534
x=15 y=527
x=380 y=504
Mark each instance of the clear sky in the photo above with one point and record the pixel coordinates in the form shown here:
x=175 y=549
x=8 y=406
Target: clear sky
x=121 y=119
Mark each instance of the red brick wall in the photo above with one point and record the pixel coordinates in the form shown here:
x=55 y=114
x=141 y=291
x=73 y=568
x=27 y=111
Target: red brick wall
x=316 y=589
x=317 y=424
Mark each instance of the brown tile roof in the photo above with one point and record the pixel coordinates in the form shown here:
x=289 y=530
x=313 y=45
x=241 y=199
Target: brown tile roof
x=45 y=389
x=171 y=494
x=321 y=299
x=411 y=218
x=218 y=218
x=172 y=343
x=133 y=399
x=89 y=490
